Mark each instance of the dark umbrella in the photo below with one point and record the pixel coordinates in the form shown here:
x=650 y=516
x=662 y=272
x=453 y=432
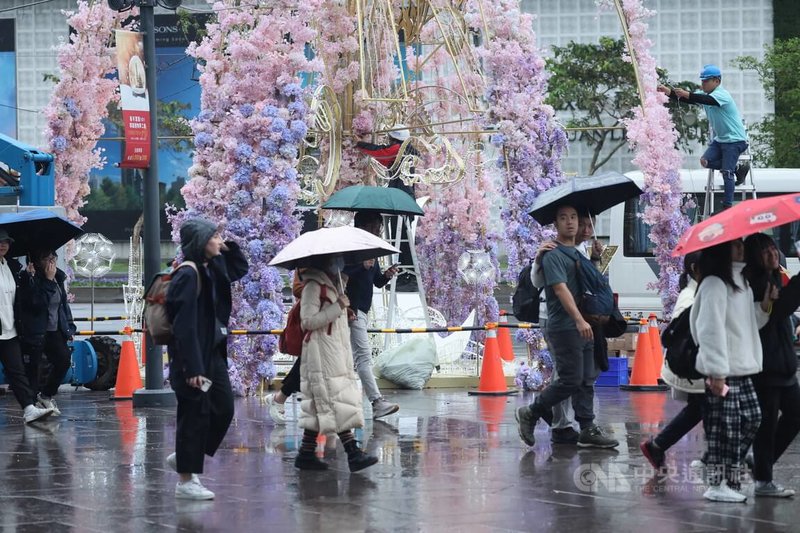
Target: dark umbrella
x=593 y=193
x=386 y=200
x=38 y=229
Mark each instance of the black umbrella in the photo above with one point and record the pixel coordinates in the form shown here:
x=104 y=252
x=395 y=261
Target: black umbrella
x=592 y=193
x=36 y=230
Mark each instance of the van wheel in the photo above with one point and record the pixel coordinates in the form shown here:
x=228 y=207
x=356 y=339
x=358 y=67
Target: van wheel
x=108 y=351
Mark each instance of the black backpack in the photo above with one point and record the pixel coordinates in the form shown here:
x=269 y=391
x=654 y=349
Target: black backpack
x=681 y=354
x=525 y=301
x=596 y=301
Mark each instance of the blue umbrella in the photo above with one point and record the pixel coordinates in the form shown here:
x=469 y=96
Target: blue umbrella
x=591 y=193
x=38 y=229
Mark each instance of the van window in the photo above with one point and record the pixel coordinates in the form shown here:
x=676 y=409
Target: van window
x=636 y=242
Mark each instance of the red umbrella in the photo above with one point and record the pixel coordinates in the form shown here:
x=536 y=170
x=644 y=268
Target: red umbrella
x=745 y=218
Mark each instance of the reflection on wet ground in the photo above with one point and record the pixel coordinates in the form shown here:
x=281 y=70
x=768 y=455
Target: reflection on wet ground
x=448 y=462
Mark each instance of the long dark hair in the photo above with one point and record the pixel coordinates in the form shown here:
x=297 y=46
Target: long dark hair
x=718 y=261
x=755 y=271
x=689 y=262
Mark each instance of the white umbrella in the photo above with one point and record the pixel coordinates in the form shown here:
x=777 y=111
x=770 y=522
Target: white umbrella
x=314 y=247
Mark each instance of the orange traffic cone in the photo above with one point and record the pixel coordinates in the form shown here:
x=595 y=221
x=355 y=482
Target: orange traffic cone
x=645 y=372
x=128 y=377
x=655 y=341
x=504 y=339
x=492 y=381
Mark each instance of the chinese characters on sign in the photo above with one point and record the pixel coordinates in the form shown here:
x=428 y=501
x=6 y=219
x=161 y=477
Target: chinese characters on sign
x=134 y=99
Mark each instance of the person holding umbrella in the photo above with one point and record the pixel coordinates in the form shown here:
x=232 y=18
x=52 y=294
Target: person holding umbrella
x=331 y=400
x=47 y=324
x=10 y=353
x=776 y=386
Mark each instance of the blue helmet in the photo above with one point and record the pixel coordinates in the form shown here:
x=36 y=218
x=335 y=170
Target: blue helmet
x=710 y=71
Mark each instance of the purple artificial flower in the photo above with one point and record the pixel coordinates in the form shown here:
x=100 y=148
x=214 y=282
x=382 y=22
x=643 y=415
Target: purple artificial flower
x=270 y=111
x=246 y=110
x=244 y=152
x=72 y=107
x=203 y=139
x=262 y=164
x=278 y=124
x=59 y=143
x=292 y=89
x=269 y=146
x=289 y=151
x=243 y=175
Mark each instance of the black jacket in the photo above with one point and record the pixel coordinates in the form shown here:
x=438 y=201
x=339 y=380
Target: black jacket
x=780 y=359
x=34 y=293
x=359 y=285
x=196 y=319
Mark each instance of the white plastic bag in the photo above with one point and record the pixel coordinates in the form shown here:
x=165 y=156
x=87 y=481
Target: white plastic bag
x=408 y=365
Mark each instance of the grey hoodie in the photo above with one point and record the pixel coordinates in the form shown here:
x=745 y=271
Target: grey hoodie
x=195 y=234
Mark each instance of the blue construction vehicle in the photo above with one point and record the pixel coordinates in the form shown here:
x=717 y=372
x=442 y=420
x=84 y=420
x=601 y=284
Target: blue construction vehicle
x=27 y=176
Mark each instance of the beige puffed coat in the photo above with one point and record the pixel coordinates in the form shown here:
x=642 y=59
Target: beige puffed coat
x=331 y=399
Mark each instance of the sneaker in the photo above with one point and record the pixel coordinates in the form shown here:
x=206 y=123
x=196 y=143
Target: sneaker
x=192 y=490
x=381 y=408
x=527 y=422
x=172 y=461
x=33 y=413
x=697 y=464
x=768 y=488
x=358 y=459
x=723 y=493
x=48 y=403
x=653 y=453
x=276 y=411
x=593 y=437
x=564 y=436
x=741 y=172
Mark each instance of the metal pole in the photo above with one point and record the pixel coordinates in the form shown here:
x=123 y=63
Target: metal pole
x=154 y=394
x=91 y=311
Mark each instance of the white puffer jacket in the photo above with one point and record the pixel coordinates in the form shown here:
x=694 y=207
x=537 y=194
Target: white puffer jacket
x=331 y=399
x=725 y=324
x=694 y=386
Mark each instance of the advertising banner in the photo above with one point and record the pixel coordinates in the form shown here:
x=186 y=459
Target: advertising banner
x=134 y=99
x=8 y=79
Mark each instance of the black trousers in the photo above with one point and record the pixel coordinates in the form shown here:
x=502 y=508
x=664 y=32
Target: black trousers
x=52 y=345
x=14 y=369
x=203 y=417
x=780 y=423
x=688 y=418
x=291 y=383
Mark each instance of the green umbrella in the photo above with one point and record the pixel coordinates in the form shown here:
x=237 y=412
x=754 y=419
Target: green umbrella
x=386 y=200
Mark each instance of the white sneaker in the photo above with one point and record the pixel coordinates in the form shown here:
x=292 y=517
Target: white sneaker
x=723 y=493
x=276 y=410
x=192 y=490
x=48 y=403
x=172 y=461
x=381 y=408
x=33 y=413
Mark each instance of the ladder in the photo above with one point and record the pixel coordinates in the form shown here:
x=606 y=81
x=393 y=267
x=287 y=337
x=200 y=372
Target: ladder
x=714 y=186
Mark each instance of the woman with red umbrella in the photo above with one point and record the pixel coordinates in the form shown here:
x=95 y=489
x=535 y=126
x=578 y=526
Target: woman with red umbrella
x=725 y=324
x=776 y=386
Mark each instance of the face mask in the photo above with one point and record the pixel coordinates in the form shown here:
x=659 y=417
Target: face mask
x=337 y=264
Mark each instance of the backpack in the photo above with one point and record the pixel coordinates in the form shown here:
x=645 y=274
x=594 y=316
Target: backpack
x=293 y=336
x=681 y=356
x=156 y=318
x=525 y=301
x=596 y=301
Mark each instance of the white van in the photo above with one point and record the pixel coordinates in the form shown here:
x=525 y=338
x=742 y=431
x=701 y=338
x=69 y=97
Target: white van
x=633 y=267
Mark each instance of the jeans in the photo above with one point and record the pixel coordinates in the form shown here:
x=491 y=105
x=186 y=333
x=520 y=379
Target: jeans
x=780 y=423
x=563 y=414
x=723 y=157
x=362 y=355
x=688 y=418
x=574 y=361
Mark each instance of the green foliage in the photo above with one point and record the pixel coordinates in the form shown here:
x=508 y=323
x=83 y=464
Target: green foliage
x=126 y=195
x=597 y=87
x=776 y=138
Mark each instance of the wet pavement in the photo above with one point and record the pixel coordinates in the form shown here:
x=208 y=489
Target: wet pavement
x=448 y=462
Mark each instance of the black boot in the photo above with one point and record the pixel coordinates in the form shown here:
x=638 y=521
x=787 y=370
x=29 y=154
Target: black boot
x=356 y=458
x=309 y=461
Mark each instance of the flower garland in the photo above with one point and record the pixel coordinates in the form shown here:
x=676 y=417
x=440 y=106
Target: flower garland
x=652 y=134
x=79 y=102
x=252 y=122
x=531 y=140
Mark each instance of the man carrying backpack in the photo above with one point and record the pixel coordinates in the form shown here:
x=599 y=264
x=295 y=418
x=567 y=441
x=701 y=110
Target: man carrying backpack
x=199 y=308
x=570 y=339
